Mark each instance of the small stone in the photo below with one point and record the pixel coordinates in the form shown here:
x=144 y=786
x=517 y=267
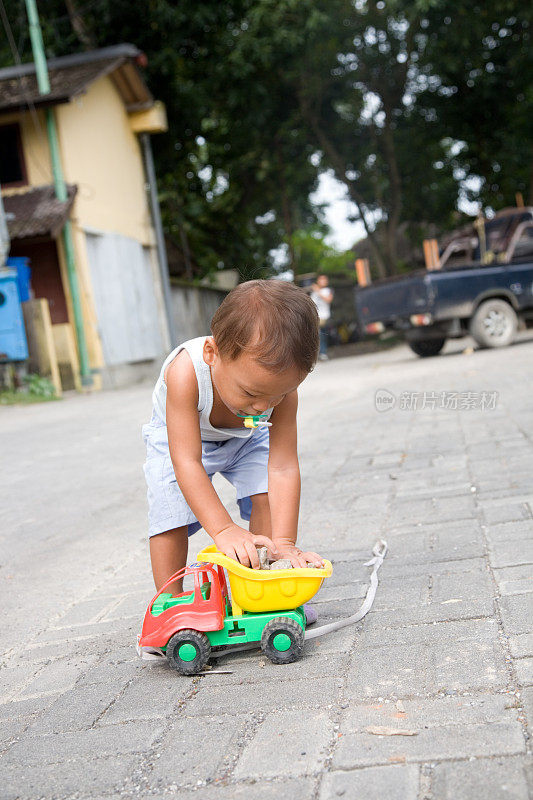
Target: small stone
x=283 y=563
x=262 y=553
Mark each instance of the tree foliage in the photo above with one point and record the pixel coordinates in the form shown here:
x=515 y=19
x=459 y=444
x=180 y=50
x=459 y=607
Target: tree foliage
x=413 y=105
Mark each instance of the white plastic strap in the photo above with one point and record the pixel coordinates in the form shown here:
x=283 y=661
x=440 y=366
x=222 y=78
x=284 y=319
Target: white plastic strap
x=379 y=552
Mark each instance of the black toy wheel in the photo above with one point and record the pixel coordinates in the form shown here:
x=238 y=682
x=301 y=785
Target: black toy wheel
x=188 y=651
x=282 y=640
x=426 y=348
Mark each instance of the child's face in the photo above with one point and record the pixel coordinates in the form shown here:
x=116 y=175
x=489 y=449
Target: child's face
x=245 y=386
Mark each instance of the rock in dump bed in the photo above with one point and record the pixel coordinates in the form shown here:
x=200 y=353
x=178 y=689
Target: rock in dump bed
x=283 y=563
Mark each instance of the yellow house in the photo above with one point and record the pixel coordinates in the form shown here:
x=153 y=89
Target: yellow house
x=101 y=105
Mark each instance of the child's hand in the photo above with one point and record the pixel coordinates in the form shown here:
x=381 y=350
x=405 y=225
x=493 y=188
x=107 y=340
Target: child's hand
x=297 y=557
x=238 y=543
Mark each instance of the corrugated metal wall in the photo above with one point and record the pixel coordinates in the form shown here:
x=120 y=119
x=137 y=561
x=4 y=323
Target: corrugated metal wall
x=126 y=307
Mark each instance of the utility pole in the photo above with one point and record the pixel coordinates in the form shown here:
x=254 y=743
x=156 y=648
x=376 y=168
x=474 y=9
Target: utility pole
x=43 y=83
x=159 y=236
x=4 y=235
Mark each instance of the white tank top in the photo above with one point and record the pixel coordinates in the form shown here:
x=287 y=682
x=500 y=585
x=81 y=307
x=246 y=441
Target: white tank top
x=208 y=433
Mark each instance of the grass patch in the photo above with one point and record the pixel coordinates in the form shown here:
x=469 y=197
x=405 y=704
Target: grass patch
x=37 y=390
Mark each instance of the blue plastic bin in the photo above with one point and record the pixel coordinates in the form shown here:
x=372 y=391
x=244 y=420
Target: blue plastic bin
x=13 y=345
x=22 y=266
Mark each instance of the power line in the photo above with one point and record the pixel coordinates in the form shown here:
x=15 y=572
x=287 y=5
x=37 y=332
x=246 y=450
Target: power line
x=29 y=102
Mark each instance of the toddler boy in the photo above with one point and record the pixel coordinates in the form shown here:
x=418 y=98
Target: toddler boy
x=264 y=343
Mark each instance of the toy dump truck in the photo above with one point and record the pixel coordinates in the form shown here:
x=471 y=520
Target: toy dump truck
x=264 y=607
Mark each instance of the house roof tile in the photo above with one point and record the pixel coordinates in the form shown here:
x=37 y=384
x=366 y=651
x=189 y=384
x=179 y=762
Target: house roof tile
x=71 y=75
x=37 y=212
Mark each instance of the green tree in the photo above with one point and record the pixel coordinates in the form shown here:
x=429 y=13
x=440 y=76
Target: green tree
x=477 y=67
x=404 y=101
x=311 y=253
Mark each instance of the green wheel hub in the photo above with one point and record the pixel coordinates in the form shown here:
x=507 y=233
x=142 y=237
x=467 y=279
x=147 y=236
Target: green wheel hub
x=187 y=652
x=281 y=641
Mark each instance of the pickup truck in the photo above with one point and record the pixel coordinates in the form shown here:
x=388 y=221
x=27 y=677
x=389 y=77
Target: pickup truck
x=483 y=286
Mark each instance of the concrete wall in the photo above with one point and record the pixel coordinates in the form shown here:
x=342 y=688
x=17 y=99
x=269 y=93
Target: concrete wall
x=102 y=154
x=193 y=308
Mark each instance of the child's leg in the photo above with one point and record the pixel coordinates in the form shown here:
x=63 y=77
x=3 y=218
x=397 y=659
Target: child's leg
x=168 y=553
x=260 y=523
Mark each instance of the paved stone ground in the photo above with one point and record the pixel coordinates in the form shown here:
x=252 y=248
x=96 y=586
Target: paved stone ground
x=447 y=650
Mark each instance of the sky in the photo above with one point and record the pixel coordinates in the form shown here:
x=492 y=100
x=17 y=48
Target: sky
x=335 y=194
x=338 y=208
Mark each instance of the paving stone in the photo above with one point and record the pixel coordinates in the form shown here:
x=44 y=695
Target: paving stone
x=111 y=668
x=521 y=645
x=81 y=632
x=429 y=544
x=11 y=728
x=287 y=743
x=77 y=709
x=506 y=513
x=57 y=676
x=527 y=700
x=153 y=695
x=517 y=613
x=133 y=737
x=421 y=712
x=439 y=540
x=442 y=742
x=13 y=679
x=434 y=598
x=509 y=531
x=296 y=789
x=431 y=510
x=85 y=612
x=132 y=605
x=416 y=667
x=341 y=641
x=328 y=593
x=253 y=667
x=303 y=693
x=23 y=708
x=189 y=753
x=38 y=654
x=524 y=671
x=497 y=779
x=395 y=569
x=445 y=633
x=511 y=553
x=372 y=783
x=92 y=775
x=515 y=580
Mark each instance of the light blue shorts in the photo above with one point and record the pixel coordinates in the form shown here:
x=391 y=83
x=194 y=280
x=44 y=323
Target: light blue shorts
x=243 y=462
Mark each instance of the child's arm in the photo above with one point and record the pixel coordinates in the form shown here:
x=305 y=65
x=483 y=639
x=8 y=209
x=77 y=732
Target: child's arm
x=284 y=483
x=185 y=447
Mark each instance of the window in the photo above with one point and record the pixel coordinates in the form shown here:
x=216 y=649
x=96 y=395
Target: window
x=12 y=167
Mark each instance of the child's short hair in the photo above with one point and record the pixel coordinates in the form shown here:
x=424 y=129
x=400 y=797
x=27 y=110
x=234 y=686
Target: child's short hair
x=273 y=320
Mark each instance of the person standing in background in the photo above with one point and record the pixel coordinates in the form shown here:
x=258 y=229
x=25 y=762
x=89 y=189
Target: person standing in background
x=322 y=296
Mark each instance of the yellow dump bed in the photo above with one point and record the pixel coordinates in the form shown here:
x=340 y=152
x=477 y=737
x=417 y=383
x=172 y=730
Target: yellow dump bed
x=258 y=591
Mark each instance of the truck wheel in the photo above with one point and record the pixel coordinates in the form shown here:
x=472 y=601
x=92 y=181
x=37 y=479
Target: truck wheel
x=188 y=651
x=426 y=347
x=494 y=324
x=282 y=640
